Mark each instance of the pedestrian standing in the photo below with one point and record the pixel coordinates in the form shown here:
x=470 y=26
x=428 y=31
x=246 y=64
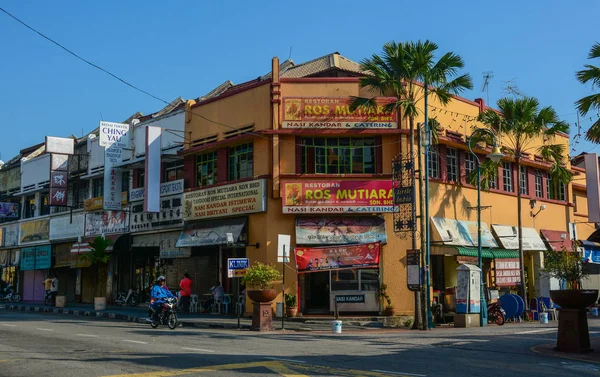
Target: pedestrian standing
x=54 y=289
x=186 y=290
x=47 y=287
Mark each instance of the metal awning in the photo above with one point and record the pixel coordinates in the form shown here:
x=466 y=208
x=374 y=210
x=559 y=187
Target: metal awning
x=508 y=237
x=211 y=232
x=557 y=239
x=472 y=252
x=454 y=232
x=164 y=240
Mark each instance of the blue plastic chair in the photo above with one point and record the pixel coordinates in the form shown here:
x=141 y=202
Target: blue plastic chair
x=226 y=302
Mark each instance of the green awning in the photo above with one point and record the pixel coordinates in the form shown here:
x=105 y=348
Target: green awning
x=488 y=253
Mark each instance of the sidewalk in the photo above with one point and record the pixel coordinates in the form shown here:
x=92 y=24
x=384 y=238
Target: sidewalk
x=198 y=320
x=594 y=356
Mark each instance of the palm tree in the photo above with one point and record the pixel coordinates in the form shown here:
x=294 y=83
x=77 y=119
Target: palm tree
x=584 y=105
x=98 y=257
x=409 y=72
x=519 y=123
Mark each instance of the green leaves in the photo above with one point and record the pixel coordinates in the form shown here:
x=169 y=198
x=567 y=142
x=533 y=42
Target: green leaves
x=489 y=172
x=591 y=74
x=564 y=265
x=290 y=300
x=97 y=254
x=261 y=276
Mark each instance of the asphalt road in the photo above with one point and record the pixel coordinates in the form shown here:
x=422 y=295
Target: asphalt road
x=50 y=345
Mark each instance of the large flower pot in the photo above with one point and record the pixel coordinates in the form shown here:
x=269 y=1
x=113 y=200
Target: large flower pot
x=573 y=334
x=291 y=311
x=265 y=295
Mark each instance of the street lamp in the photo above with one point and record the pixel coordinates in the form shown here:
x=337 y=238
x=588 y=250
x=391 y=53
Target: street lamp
x=426 y=143
x=495 y=156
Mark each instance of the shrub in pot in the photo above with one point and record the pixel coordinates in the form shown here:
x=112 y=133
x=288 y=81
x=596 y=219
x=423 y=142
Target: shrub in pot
x=291 y=305
x=259 y=282
x=98 y=257
x=385 y=299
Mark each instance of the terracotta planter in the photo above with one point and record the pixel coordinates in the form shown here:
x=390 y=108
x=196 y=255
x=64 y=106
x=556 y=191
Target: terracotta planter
x=291 y=311
x=574 y=299
x=265 y=295
x=389 y=312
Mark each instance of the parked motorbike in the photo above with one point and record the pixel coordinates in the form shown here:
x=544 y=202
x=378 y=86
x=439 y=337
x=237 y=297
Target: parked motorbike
x=166 y=315
x=130 y=298
x=9 y=294
x=496 y=314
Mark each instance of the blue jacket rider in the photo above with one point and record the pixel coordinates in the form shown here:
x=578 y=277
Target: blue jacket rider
x=159 y=293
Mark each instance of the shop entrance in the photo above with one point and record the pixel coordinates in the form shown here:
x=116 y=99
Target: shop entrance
x=316 y=292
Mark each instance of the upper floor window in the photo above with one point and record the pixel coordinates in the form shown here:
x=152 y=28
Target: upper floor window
x=523 y=180
x=539 y=178
x=173 y=171
x=97 y=187
x=470 y=163
x=507 y=176
x=125 y=181
x=141 y=179
x=206 y=169
x=241 y=162
x=339 y=155
x=29 y=209
x=82 y=192
x=45 y=204
x=555 y=190
x=452 y=164
x=434 y=162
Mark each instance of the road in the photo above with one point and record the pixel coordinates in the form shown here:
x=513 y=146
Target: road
x=51 y=345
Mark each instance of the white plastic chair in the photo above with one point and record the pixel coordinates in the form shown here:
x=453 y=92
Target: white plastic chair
x=217 y=305
x=226 y=302
x=241 y=305
x=193 y=303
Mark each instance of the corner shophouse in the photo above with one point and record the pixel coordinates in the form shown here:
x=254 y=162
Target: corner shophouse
x=265 y=158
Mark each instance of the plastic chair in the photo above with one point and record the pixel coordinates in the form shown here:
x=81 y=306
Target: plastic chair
x=534 y=308
x=241 y=305
x=226 y=303
x=217 y=305
x=193 y=303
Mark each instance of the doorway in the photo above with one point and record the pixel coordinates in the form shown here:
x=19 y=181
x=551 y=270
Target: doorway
x=316 y=292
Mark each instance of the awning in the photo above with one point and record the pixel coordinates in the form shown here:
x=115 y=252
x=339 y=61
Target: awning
x=461 y=232
x=472 y=252
x=213 y=232
x=591 y=251
x=84 y=245
x=162 y=240
x=557 y=239
x=508 y=237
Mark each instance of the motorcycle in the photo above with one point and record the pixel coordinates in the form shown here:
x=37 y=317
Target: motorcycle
x=496 y=314
x=166 y=315
x=10 y=295
x=130 y=298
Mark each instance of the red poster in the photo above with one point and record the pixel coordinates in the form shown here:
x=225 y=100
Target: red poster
x=313 y=259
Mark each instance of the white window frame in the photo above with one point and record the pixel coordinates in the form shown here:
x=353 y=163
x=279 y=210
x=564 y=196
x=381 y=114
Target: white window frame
x=507 y=180
x=452 y=164
x=434 y=163
x=539 y=183
x=523 y=180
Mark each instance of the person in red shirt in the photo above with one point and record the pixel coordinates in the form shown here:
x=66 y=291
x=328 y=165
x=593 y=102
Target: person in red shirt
x=186 y=290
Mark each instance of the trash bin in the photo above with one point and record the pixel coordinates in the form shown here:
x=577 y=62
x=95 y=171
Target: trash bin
x=543 y=317
x=595 y=311
x=336 y=327
x=279 y=309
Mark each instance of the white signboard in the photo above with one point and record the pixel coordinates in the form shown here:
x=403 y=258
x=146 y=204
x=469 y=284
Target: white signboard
x=228 y=200
x=60 y=145
x=62 y=227
x=114 y=134
x=283 y=248
x=112 y=178
x=166 y=188
x=11 y=235
x=105 y=222
x=170 y=215
x=152 y=169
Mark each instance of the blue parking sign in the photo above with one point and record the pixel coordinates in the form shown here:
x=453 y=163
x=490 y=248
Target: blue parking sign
x=238 y=263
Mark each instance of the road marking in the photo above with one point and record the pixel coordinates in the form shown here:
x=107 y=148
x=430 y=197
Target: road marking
x=135 y=341
x=7 y=325
x=197 y=349
x=42 y=329
x=536 y=331
x=88 y=335
x=398 y=373
x=288 y=360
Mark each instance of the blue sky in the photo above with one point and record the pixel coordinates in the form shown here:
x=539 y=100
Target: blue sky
x=187 y=48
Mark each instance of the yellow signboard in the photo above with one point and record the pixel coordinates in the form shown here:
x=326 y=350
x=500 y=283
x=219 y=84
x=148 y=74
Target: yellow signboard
x=96 y=203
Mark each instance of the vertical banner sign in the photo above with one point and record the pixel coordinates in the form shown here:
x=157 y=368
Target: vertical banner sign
x=593 y=187
x=413 y=269
x=403 y=169
x=114 y=138
x=152 y=169
x=59 y=148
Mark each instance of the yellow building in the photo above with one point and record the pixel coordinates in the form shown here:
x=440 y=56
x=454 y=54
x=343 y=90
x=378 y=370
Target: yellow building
x=283 y=155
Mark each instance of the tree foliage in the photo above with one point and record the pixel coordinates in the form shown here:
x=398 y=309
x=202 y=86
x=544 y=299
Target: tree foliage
x=591 y=74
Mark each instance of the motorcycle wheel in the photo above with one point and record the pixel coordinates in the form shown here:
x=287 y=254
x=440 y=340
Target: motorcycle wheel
x=16 y=297
x=499 y=319
x=133 y=302
x=154 y=324
x=172 y=321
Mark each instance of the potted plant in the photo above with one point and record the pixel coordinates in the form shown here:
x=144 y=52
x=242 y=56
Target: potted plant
x=99 y=257
x=259 y=282
x=384 y=298
x=567 y=266
x=291 y=305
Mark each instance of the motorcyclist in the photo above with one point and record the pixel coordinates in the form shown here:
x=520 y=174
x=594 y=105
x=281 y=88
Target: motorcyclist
x=158 y=295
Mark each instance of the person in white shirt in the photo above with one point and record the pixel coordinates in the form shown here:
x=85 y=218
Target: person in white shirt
x=54 y=289
x=218 y=292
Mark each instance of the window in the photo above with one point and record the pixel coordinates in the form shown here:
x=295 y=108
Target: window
x=173 y=171
x=344 y=280
x=523 y=180
x=369 y=279
x=561 y=192
x=555 y=191
x=45 y=204
x=452 y=164
x=206 y=169
x=240 y=162
x=141 y=179
x=507 y=176
x=470 y=163
x=29 y=210
x=97 y=187
x=339 y=155
x=434 y=162
x=538 y=183
x=125 y=181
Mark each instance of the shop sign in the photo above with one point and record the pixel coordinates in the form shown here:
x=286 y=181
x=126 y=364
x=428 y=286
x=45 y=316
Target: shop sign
x=9 y=211
x=205 y=233
x=413 y=269
x=59 y=178
x=338 y=197
x=228 y=200
x=313 y=259
x=237 y=267
x=69 y=226
x=166 y=188
x=465 y=259
x=334 y=112
x=94 y=204
x=507 y=272
x=34 y=231
x=104 y=222
x=176 y=253
x=11 y=235
x=350 y=299
x=170 y=215
x=36 y=258
x=325 y=230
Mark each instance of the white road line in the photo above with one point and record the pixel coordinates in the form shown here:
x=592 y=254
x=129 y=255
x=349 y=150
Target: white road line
x=7 y=325
x=289 y=360
x=42 y=329
x=88 y=335
x=398 y=373
x=197 y=349
x=135 y=341
x=535 y=331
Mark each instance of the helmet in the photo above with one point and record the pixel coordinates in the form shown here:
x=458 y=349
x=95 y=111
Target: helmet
x=160 y=278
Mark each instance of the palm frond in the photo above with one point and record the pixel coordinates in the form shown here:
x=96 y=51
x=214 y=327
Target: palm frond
x=593 y=133
x=560 y=174
x=489 y=171
x=587 y=103
x=594 y=51
x=591 y=73
x=435 y=128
